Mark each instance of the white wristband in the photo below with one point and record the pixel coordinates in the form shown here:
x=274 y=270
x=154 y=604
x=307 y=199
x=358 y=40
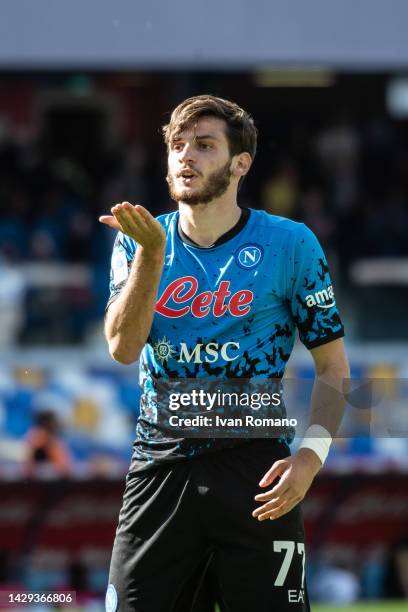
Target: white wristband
x=318 y=439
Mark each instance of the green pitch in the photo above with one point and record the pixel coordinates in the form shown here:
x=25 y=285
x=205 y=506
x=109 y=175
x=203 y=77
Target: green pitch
x=385 y=606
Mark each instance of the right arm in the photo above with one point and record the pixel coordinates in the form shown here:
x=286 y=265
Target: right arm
x=129 y=318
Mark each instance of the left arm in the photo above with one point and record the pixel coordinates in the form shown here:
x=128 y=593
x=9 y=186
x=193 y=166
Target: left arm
x=296 y=473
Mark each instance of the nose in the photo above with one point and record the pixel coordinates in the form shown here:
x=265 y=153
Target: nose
x=187 y=154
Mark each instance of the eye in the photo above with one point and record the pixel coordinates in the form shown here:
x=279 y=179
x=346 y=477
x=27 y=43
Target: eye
x=203 y=146
x=176 y=146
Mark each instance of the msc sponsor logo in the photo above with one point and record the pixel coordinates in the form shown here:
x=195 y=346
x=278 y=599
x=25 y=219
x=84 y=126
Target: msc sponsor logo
x=200 y=353
x=321 y=299
x=181 y=297
x=208 y=352
x=249 y=256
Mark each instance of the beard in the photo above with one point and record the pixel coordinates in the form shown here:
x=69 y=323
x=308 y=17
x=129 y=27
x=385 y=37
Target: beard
x=215 y=185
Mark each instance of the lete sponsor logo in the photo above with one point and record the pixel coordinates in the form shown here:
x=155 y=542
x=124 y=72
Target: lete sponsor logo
x=321 y=299
x=181 y=298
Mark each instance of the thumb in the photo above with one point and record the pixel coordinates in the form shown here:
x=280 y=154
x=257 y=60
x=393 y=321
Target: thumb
x=276 y=470
x=111 y=221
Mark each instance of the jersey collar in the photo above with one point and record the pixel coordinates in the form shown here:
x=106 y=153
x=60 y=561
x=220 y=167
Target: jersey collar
x=242 y=221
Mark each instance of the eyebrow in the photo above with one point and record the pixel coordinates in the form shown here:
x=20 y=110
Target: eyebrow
x=198 y=137
x=205 y=137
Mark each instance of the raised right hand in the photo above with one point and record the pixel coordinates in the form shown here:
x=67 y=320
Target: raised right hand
x=137 y=223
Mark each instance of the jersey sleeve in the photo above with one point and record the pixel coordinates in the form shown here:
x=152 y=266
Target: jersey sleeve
x=123 y=254
x=311 y=294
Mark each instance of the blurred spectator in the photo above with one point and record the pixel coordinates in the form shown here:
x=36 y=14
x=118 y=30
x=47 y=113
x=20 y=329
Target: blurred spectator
x=396 y=576
x=345 y=177
x=78 y=581
x=129 y=181
x=336 y=584
x=338 y=147
x=49 y=229
x=315 y=214
x=79 y=237
x=13 y=222
x=46 y=452
x=386 y=226
x=280 y=192
x=12 y=293
x=9 y=579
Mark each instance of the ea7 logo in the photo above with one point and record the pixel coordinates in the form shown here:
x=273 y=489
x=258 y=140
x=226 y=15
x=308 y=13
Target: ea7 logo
x=321 y=299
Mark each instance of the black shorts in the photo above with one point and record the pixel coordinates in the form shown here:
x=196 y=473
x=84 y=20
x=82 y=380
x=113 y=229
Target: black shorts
x=185 y=520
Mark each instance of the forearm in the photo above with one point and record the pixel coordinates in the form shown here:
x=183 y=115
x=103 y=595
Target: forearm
x=129 y=318
x=328 y=396
x=327 y=402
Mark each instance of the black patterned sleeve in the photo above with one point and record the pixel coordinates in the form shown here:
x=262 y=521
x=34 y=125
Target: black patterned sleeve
x=311 y=293
x=123 y=254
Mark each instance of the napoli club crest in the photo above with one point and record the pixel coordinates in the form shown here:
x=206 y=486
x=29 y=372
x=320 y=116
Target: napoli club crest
x=249 y=256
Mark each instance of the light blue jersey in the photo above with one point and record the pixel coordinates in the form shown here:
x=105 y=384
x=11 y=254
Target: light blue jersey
x=227 y=311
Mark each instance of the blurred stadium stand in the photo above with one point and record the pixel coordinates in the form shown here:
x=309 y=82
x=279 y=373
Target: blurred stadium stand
x=79 y=131
x=72 y=144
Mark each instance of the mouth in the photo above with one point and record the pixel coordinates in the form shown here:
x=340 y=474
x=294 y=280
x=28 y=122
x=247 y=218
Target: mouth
x=187 y=173
x=187 y=180
x=187 y=177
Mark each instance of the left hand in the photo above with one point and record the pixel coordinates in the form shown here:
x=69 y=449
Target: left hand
x=296 y=475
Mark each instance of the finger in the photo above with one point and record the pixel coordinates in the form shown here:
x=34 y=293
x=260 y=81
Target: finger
x=144 y=213
x=281 y=511
x=122 y=206
x=268 y=495
x=276 y=470
x=134 y=212
x=124 y=214
x=281 y=487
x=276 y=513
x=273 y=503
x=111 y=221
x=131 y=224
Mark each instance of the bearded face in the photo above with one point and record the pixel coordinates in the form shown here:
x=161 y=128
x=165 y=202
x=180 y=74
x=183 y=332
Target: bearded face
x=191 y=187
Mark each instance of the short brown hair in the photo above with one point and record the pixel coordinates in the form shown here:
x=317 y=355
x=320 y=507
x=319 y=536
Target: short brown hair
x=241 y=131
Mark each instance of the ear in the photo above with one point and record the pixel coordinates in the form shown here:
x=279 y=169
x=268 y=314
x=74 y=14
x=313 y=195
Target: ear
x=241 y=164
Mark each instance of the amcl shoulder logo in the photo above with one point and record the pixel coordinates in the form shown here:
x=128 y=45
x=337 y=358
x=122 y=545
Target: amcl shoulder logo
x=321 y=299
x=249 y=256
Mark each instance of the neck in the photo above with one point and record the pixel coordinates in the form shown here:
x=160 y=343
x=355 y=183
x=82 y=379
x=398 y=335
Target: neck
x=205 y=223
